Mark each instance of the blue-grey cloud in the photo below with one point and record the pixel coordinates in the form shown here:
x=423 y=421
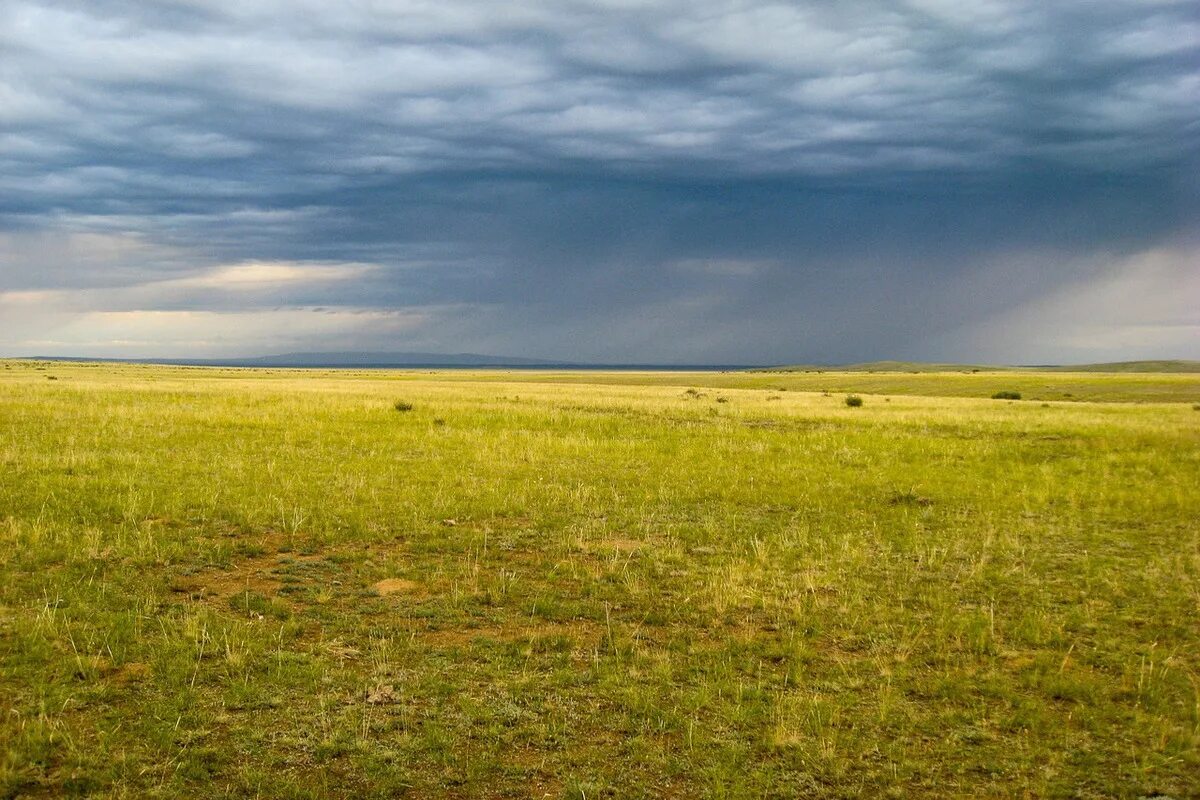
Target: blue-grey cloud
x=621 y=180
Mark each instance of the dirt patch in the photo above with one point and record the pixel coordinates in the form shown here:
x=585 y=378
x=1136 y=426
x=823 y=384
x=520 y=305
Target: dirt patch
x=249 y=579
x=255 y=574
x=396 y=586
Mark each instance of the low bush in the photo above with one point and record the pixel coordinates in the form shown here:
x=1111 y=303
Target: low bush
x=1006 y=395
x=854 y=401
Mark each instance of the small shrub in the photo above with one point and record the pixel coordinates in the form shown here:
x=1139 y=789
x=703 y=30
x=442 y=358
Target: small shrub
x=722 y=399
x=1195 y=406
x=1006 y=395
x=854 y=401
x=401 y=405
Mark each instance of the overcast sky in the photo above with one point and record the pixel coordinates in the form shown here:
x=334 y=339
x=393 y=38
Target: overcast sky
x=693 y=181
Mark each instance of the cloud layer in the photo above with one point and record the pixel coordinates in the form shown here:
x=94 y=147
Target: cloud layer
x=617 y=180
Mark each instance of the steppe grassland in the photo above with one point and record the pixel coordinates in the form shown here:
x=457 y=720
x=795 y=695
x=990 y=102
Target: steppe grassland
x=275 y=583
x=1031 y=384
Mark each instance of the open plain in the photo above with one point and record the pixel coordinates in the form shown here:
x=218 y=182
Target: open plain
x=526 y=584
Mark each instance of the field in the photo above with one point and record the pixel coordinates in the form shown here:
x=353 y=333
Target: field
x=597 y=585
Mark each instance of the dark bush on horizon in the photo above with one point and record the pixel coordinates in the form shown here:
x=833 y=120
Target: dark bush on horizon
x=1006 y=395
x=854 y=401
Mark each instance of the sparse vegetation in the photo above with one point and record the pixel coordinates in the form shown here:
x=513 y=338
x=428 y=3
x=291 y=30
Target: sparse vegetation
x=403 y=405
x=1040 y=386
x=247 y=583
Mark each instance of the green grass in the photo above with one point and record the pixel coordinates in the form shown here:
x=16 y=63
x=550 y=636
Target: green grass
x=1032 y=385
x=1166 y=366
x=270 y=583
x=1171 y=365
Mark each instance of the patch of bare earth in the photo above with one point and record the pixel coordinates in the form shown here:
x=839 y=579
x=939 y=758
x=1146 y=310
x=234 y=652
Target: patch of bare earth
x=389 y=586
x=259 y=574
x=253 y=574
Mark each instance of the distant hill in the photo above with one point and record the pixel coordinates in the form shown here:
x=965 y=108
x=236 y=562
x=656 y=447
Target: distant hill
x=919 y=366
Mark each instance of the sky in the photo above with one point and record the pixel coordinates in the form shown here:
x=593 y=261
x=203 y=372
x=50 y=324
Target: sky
x=678 y=181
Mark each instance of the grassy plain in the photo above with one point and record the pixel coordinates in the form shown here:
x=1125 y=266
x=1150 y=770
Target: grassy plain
x=257 y=583
x=1033 y=385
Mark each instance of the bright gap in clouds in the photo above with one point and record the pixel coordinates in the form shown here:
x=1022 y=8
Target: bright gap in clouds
x=255 y=275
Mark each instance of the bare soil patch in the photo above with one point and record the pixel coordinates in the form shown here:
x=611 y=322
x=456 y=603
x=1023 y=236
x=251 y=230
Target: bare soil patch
x=389 y=586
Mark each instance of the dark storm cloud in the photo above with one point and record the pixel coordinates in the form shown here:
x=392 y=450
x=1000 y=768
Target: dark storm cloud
x=610 y=180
